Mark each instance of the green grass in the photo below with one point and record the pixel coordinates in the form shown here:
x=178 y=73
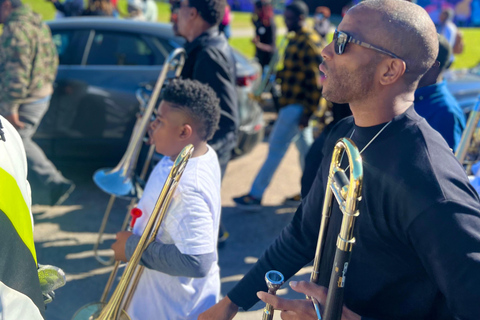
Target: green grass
x=242 y=20
x=471 y=53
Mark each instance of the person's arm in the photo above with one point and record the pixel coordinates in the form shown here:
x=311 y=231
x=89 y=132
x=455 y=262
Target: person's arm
x=168 y=259
x=16 y=69
x=446 y=238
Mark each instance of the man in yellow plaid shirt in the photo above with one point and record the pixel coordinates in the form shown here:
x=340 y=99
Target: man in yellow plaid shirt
x=300 y=83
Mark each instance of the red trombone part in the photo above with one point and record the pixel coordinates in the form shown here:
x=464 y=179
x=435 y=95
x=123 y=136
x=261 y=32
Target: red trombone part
x=135 y=213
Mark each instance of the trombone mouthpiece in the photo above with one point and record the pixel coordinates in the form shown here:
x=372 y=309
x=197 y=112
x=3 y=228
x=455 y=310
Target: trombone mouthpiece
x=274 y=280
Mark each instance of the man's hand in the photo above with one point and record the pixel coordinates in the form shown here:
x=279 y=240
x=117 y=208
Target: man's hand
x=15 y=121
x=303 y=309
x=119 y=245
x=225 y=309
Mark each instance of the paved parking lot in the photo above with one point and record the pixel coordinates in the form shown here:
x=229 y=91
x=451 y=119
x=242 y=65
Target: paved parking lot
x=65 y=234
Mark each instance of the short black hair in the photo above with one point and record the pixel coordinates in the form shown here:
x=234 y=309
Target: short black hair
x=298 y=7
x=198 y=101
x=212 y=11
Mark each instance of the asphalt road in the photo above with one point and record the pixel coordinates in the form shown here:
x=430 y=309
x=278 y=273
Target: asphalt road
x=65 y=234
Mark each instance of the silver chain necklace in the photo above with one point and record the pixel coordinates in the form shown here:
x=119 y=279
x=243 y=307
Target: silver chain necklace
x=371 y=140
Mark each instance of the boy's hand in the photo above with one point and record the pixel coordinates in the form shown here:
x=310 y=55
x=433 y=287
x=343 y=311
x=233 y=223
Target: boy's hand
x=119 y=246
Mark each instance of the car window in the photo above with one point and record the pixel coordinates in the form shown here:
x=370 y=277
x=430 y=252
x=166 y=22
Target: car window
x=69 y=46
x=111 y=48
x=164 y=47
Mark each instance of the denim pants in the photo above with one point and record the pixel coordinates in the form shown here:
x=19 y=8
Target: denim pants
x=285 y=130
x=31 y=115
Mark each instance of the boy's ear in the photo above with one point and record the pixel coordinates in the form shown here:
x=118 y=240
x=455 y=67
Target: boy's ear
x=186 y=131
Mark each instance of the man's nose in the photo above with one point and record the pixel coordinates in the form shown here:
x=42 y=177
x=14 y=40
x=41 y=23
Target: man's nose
x=327 y=52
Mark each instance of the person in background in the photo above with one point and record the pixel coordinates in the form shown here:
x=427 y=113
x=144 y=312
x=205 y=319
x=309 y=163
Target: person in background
x=436 y=104
x=210 y=60
x=99 y=8
x=265 y=32
x=68 y=8
x=447 y=28
x=150 y=10
x=263 y=20
x=322 y=23
x=28 y=66
x=224 y=26
x=300 y=85
x=135 y=10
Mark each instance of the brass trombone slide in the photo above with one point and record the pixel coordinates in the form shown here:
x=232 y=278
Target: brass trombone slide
x=347 y=192
x=114 y=310
x=468 y=134
x=120 y=181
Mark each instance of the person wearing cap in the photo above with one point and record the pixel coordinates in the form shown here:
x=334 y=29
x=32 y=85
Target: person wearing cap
x=435 y=103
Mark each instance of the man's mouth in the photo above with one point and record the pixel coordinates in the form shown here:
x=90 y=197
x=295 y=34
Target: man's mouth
x=323 y=74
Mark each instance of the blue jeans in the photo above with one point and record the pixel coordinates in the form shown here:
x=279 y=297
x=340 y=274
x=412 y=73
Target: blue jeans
x=285 y=130
x=31 y=114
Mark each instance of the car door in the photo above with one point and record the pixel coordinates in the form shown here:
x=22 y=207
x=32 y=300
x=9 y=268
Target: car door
x=96 y=107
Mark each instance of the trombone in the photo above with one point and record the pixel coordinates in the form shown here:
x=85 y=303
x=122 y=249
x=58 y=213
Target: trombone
x=115 y=309
x=121 y=181
x=468 y=138
x=347 y=192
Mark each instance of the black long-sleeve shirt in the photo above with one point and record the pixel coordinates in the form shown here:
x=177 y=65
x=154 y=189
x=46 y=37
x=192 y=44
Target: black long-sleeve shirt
x=417 y=250
x=210 y=60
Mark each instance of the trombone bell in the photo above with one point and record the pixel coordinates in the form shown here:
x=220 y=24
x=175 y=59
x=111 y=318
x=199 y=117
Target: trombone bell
x=115 y=183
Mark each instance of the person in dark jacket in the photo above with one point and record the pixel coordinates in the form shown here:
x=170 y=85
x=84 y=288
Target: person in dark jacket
x=69 y=8
x=210 y=60
x=417 y=238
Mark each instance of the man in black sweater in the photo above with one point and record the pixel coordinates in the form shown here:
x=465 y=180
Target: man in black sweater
x=417 y=250
x=210 y=60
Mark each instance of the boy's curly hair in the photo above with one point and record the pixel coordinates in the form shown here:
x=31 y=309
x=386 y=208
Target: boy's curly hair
x=198 y=101
x=212 y=11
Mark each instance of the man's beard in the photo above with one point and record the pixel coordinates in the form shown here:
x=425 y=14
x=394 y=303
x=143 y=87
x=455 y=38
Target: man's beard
x=347 y=86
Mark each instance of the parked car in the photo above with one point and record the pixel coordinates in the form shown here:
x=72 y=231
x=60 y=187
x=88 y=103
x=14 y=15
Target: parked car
x=464 y=84
x=103 y=62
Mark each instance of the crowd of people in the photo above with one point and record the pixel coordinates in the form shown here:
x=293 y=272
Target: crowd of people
x=417 y=237
x=141 y=10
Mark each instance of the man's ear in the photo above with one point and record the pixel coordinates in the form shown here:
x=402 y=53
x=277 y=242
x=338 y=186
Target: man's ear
x=186 y=131
x=392 y=70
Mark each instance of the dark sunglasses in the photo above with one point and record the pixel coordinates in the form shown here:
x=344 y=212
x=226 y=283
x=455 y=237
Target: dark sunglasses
x=340 y=40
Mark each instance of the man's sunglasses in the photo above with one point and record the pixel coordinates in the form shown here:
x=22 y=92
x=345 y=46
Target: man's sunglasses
x=340 y=40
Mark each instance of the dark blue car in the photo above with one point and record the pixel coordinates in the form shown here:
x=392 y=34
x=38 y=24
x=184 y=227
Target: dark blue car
x=103 y=62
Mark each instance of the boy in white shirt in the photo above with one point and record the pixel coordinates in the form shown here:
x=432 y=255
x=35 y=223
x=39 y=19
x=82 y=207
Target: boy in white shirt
x=181 y=278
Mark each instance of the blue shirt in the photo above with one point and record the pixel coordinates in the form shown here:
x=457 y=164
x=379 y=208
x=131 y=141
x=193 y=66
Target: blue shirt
x=442 y=112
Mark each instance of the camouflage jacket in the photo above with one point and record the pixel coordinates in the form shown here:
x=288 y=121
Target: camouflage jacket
x=28 y=60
